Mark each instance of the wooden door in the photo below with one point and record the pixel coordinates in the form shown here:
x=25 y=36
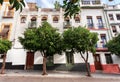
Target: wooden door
x=97 y=62
x=30 y=60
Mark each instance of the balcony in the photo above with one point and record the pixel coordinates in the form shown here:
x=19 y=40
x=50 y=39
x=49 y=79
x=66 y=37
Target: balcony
x=90 y=25
x=89 y=4
x=32 y=24
x=100 y=26
x=8 y=14
x=67 y=25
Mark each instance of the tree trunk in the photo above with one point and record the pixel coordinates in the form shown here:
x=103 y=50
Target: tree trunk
x=3 y=65
x=88 y=69
x=44 y=65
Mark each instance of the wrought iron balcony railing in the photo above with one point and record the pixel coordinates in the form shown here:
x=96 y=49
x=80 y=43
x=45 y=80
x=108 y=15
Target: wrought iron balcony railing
x=67 y=25
x=32 y=24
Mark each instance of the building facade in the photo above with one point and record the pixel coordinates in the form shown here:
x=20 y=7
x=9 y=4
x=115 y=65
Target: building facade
x=94 y=15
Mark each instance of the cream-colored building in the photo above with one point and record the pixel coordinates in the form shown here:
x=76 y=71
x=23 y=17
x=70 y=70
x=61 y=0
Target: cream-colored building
x=92 y=15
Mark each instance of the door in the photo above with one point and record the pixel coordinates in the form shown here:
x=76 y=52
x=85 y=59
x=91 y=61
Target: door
x=97 y=62
x=30 y=60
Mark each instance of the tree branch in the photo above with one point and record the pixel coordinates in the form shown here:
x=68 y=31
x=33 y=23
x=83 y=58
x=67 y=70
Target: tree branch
x=82 y=56
x=42 y=54
x=87 y=56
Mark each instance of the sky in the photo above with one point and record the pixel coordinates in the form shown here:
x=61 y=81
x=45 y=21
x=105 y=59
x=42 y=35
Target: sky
x=50 y=3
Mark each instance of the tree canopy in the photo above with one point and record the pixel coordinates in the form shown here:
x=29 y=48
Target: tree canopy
x=30 y=40
x=72 y=7
x=5 y=45
x=49 y=39
x=114 y=45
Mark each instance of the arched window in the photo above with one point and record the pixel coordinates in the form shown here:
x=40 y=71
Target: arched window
x=77 y=19
x=33 y=19
x=66 y=19
x=44 y=19
x=55 y=19
x=23 y=19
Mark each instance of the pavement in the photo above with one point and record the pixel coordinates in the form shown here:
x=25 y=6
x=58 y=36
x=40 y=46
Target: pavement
x=59 y=74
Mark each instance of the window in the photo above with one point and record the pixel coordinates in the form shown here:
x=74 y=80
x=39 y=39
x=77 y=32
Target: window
x=104 y=40
x=90 y=22
x=77 y=19
x=111 y=17
x=67 y=23
x=108 y=59
x=33 y=23
x=23 y=19
x=118 y=16
x=100 y=22
x=9 y=12
x=114 y=29
x=4 y=32
x=55 y=19
x=44 y=19
x=70 y=58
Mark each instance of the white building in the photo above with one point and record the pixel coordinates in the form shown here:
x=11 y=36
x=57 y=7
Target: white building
x=92 y=15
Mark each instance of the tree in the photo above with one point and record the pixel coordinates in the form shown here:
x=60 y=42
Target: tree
x=5 y=45
x=82 y=41
x=114 y=45
x=30 y=43
x=17 y=4
x=57 y=5
x=50 y=42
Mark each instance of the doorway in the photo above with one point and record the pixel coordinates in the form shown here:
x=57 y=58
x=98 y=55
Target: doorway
x=29 y=60
x=97 y=62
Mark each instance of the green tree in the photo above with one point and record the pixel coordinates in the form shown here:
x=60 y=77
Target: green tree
x=72 y=7
x=114 y=45
x=17 y=4
x=57 y=5
x=50 y=42
x=5 y=45
x=82 y=41
x=30 y=43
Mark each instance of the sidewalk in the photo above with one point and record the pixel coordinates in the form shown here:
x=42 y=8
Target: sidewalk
x=58 y=74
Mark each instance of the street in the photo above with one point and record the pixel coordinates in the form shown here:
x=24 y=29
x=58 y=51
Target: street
x=54 y=79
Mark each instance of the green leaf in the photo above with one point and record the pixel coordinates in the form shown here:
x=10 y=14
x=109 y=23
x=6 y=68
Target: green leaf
x=11 y=1
x=1 y=2
x=22 y=2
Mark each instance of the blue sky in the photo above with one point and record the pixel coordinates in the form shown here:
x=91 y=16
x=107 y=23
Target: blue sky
x=49 y=3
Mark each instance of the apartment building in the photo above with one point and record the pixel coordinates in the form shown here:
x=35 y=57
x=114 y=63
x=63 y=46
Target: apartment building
x=93 y=15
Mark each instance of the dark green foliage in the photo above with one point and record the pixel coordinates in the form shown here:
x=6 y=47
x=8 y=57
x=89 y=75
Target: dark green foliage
x=50 y=40
x=114 y=45
x=71 y=7
x=30 y=40
x=17 y=4
x=80 y=40
x=5 y=45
